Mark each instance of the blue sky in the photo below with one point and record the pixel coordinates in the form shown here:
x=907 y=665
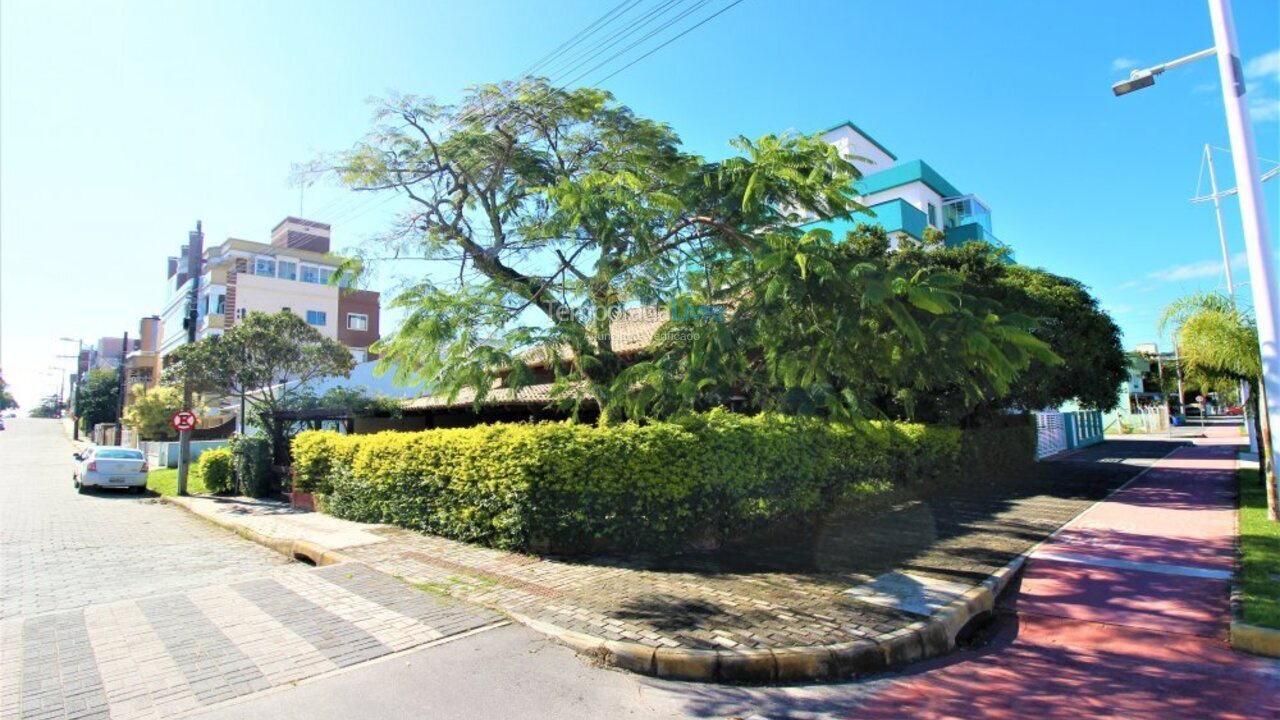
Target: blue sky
x=122 y=123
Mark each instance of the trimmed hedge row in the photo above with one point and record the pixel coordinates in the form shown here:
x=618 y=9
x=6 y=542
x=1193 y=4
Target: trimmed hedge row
x=656 y=487
x=251 y=460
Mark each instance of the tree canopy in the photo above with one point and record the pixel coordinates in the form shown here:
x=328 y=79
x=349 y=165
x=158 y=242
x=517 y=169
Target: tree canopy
x=543 y=212
x=265 y=357
x=99 y=399
x=6 y=398
x=49 y=407
x=152 y=410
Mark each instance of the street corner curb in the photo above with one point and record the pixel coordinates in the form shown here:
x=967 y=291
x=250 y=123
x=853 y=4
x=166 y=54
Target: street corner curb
x=314 y=553
x=857 y=658
x=805 y=663
x=299 y=550
x=631 y=656
x=687 y=664
x=901 y=647
x=747 y=666
x=934 y=638
x=1255 y=640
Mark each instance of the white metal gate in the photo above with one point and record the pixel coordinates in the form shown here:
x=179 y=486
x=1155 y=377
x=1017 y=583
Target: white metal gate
x=1051 y=434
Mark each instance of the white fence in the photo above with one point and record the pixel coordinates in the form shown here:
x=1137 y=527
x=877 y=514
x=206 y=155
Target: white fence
x=1051 y=434
x=165 y=454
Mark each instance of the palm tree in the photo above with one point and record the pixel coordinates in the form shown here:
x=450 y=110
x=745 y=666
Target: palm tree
x=1218 y=339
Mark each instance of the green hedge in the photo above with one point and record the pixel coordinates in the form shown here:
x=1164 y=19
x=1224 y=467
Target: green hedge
x=251 y=458
x=656 y=487
x=214 y=470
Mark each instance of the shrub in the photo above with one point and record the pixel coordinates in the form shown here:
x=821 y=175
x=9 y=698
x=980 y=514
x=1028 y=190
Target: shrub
x=316 y=454
x=1001 y=445
x=251 y=458
x=214 y=470
x=655 y=487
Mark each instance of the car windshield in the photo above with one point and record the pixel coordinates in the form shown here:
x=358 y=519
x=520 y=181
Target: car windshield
x=118 y=453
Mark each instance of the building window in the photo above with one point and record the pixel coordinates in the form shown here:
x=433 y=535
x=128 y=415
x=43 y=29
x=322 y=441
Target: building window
x=325 y=274
x=221 y=305
x=264 y=266
x=286 y=270
x=357 y=321
x=310 y=274
x=933 y=214
x=240 y=313
x=359 y=354
x=316 y=317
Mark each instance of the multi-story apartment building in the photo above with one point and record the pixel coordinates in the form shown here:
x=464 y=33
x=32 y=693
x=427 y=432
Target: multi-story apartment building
x=142 y=364
x=907 y=196
x=106 y=353
x=292 y=273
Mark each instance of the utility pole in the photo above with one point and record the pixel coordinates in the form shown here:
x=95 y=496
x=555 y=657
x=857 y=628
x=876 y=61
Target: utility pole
x=79 y=378
x=1257 y=240
x=122 y=386
x=195 y=265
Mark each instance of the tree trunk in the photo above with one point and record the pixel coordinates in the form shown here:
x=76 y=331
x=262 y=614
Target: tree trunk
x=1267 y=458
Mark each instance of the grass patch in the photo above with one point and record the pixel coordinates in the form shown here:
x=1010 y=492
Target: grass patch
x=1260 y=545
x=164 y=481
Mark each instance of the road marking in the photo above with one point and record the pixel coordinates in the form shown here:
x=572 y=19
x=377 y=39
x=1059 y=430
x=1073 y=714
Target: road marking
x=1181 y=570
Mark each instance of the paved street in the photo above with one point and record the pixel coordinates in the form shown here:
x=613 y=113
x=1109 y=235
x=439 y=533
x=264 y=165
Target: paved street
x=122 y=605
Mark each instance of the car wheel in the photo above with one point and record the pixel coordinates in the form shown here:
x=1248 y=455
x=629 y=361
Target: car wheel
x=141 y=489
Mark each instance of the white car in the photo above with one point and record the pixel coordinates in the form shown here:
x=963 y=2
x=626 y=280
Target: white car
x=107 y=466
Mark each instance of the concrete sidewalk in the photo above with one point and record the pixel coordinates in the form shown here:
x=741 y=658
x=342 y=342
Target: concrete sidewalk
x=1122 y=614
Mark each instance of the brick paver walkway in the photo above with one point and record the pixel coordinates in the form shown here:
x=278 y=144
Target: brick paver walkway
x=1123 y=614
x=119 y=606
x=787 y=593
x=780 y=593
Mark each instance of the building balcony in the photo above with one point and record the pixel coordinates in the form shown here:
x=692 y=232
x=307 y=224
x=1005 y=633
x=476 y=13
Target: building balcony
x=970 y=232
x=211 y=322
x=140 y=359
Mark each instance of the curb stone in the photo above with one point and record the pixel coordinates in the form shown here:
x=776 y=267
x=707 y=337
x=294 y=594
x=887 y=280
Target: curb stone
x=922 y=640
x=301 y=550
x=1243 y=636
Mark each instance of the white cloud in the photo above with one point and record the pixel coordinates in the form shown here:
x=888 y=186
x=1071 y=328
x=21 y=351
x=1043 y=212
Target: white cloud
x=1123 y=63
x=1264 y=109
x=1265 y=66
x=1195 y=270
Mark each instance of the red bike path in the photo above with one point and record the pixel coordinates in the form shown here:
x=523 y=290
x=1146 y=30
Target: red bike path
x=1124 y=613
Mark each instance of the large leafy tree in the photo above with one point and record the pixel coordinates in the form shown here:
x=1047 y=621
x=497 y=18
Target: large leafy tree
x=6 y=398
x=837 y=328
x=548 y=208
x=152 y=410
x=265 y=357
x=99 y=399
x=49 y=407
x=1067 y=318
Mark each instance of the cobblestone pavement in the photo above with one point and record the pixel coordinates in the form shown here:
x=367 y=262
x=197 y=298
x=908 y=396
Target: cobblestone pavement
x=788 y=592
x=122 y=607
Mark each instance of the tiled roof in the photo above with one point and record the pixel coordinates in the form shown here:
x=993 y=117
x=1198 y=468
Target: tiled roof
x=632 y=331
x=537 y=394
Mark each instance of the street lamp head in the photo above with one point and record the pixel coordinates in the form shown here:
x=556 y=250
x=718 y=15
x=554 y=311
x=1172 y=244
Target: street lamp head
x=1138 y=80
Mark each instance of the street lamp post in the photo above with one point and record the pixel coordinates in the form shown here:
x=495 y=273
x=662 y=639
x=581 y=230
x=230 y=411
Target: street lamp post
x=1261 y=259
x=79 y=380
